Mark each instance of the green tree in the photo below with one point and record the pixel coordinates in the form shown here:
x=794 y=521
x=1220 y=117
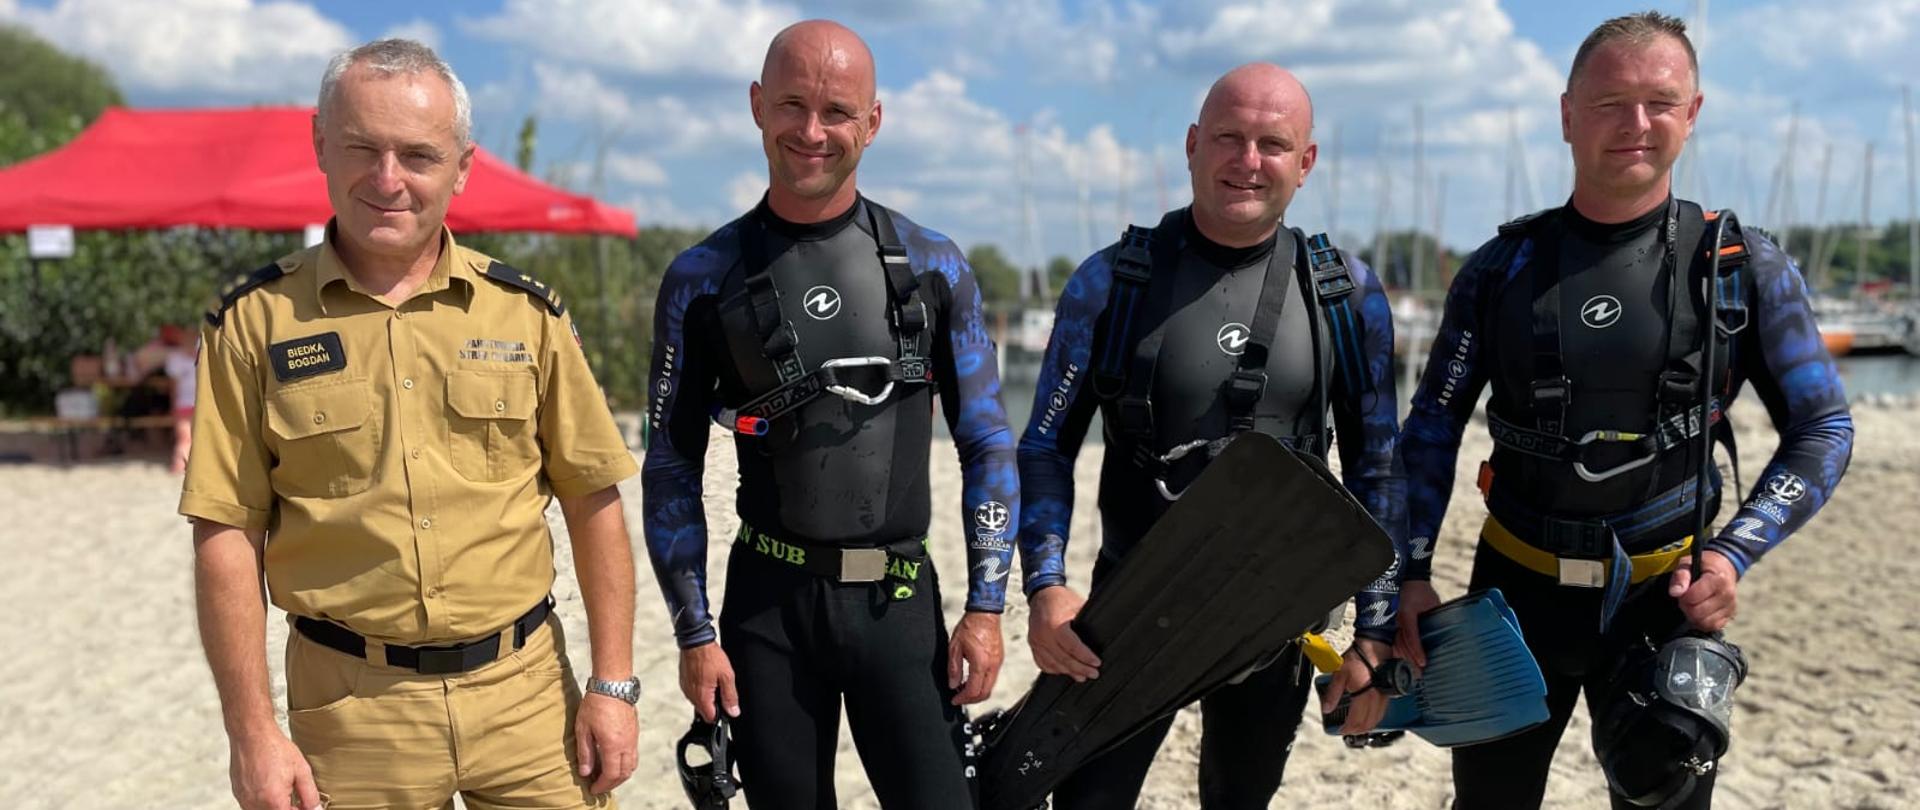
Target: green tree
x=119 y=286
x=999 y=280
x=523 y=150
x=1059 y=269
x=1401 y=246
x=46 y=97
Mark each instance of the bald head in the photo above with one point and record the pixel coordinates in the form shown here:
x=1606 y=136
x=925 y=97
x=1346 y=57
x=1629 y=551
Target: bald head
x=1260 y=86
x=1248 y=153
x=816 y=112
x=822 y=46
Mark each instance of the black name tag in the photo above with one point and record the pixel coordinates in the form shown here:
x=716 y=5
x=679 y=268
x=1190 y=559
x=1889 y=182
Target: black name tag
x=307 y=356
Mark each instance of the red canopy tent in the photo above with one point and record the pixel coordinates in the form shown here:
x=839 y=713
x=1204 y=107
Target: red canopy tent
x=248 y=168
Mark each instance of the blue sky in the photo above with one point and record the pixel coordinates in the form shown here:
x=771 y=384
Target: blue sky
x=1095 y=95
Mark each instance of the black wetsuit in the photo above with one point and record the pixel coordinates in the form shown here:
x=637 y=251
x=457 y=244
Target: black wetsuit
x=1249 y=727
x=1613 y=285
x=834 y=474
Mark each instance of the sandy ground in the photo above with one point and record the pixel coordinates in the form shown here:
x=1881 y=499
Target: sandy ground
x=105 y=700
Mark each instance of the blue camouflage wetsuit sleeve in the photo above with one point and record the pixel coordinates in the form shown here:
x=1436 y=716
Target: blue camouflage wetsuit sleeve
x=682 y=388
x=1062 y=408
x=1368 y=434
x=1448 y=392
x=1784 y=358
x=969 y=377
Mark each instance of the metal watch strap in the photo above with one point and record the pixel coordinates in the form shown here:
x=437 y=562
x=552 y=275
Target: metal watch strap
x=627 y=690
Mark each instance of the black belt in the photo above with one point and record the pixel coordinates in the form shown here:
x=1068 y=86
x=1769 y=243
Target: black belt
x=1644 y=527
x=899 y=560
x=447 y=660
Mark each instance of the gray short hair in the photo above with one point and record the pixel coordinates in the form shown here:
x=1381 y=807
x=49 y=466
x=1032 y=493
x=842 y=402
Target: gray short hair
x=1635 y=29
x=391 y=57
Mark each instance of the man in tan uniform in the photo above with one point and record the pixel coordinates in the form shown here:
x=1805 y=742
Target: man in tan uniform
x=381 y=423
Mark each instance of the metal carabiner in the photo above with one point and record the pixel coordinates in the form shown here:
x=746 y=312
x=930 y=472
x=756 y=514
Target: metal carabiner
x=1595 y=436
x=1182 y=451
x=852 y=394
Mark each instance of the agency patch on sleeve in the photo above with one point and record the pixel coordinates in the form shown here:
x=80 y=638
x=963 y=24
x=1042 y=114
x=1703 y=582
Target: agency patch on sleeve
x=307 y=356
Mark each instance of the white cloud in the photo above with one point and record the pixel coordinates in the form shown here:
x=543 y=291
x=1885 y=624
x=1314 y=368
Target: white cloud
x=417 y=29
x=899 y=198
x=668 y=122
x=957 y=160
x=636 y=169
x=272 y=51
x=745 y=189
x=1444 y=53
x=1801 y=35
x=715 y=38
x=665 y=210
x=902 y=11
x=935 y=119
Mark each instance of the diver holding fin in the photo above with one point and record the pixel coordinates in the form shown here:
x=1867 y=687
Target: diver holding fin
x=1221 y=322
x=1616 y=332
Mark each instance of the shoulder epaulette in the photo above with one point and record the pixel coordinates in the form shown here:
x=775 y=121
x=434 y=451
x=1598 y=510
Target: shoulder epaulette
x=240 y=286
x=527 y=284
x=1521 y=224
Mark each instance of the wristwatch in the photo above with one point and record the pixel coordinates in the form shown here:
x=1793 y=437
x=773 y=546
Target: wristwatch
x=627 y=690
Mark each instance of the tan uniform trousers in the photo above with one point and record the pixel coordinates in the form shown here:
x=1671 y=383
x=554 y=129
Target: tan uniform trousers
x=383 y=737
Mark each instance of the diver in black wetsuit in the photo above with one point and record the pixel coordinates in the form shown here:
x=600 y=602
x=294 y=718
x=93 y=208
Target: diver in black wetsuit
x=1210 y=268
x=818 y=328
x=1583 y=321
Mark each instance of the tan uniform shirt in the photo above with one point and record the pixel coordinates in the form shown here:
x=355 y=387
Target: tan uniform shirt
x=401 y=458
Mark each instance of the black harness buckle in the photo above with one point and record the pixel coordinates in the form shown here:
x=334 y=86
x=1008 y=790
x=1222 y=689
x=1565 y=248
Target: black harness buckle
x=1555 y=392
x=1679 y=387
x=1580 y=539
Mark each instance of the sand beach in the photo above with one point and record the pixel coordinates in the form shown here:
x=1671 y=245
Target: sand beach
x=105 y=700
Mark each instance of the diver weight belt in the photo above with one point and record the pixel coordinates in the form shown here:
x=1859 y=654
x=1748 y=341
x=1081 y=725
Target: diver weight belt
x=1581 y=567
x=900 y=560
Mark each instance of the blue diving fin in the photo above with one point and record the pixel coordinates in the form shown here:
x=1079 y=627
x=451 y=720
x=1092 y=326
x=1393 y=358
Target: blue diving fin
x=1480 y=684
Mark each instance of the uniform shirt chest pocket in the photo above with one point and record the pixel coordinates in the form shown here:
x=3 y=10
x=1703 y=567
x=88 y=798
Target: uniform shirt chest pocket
x=491 y=431
x=326 y=443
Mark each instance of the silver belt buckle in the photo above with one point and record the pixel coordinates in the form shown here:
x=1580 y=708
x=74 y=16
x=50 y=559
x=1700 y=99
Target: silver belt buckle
x=863 y=564
x=1583 y=573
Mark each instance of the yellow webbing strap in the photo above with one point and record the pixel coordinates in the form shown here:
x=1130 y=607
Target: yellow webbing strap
x=1324 y=657
x=1645 y=566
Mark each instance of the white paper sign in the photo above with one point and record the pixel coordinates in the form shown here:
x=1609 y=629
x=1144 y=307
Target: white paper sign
x=50 y=241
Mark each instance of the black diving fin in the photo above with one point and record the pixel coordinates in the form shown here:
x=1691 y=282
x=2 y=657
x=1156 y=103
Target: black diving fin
x=1256 y=551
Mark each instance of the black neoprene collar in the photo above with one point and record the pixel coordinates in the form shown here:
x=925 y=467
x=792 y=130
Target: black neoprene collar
x=1614 y=232
x=1220 y=255
x=807 y=231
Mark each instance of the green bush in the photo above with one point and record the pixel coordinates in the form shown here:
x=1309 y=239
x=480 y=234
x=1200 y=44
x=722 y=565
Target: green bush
x=122 y=286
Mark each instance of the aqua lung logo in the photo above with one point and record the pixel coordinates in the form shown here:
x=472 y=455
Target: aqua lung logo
x=1456 y=367
x=1600 y=311
x=992 y=569
x=821 y=303
x=1232 y=338
x=1057 y=401
x=663 y=385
